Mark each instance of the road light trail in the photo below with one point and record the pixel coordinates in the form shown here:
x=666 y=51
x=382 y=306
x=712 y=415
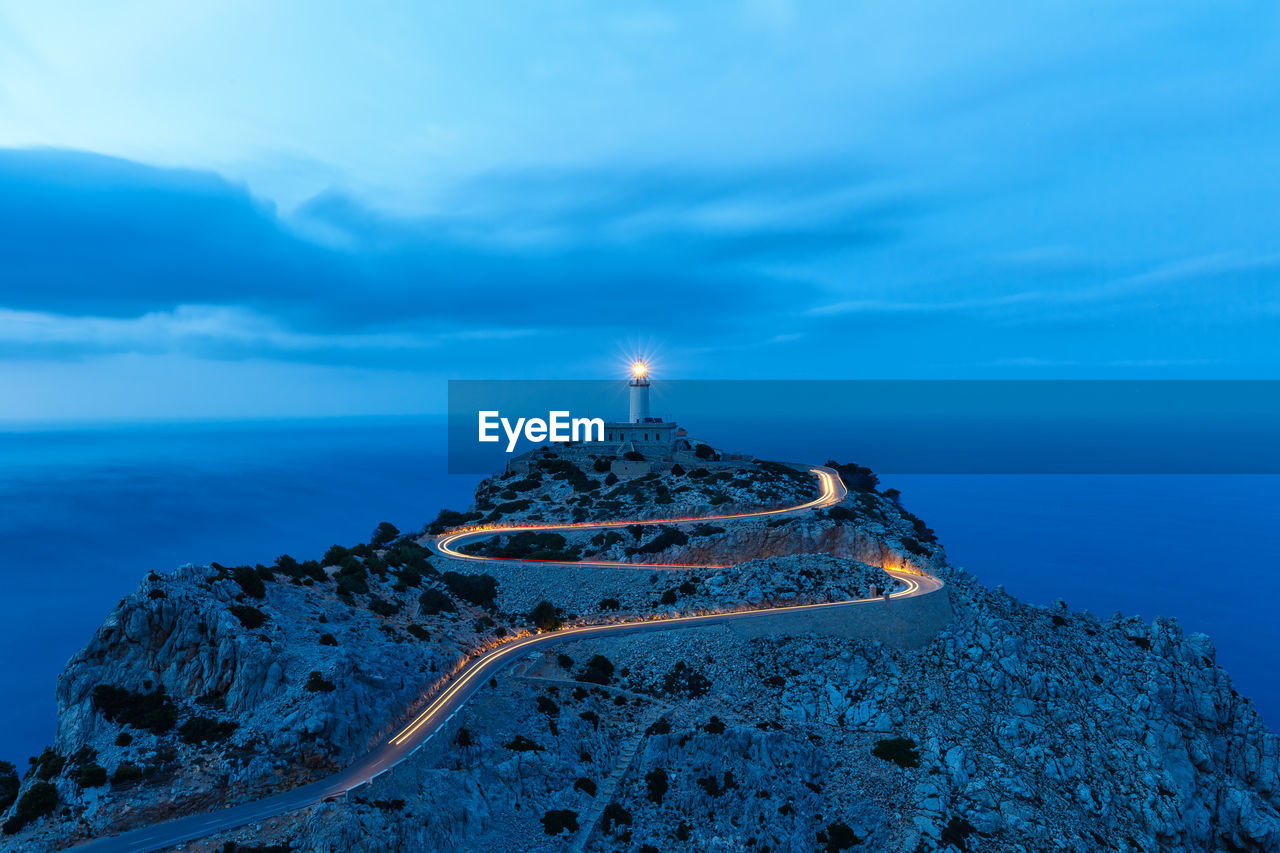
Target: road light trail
x=472 y=675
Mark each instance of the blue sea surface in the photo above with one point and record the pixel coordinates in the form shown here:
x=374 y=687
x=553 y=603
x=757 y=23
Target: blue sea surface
x=86 y=513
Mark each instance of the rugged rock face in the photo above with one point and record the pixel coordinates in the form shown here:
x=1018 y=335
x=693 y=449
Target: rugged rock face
x=1015 y=728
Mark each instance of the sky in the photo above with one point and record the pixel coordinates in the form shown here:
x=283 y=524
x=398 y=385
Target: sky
x=243 y=209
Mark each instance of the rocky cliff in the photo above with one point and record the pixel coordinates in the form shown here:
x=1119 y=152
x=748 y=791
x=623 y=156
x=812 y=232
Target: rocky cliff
x=1015 y=727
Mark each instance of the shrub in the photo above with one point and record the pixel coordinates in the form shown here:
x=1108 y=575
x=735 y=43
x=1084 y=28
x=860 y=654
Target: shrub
x=522 y=744
x=122 y=739
x=335 y=555
x=463 y=737
x=586 y=786
x=677 y=470
x=9 y=785
x=250 y=617
x=383 y=534
x=714 y=726
x=564 y=661
x=382 y=607
x=956 y=831
x=545 y=616
x=900 y=750
x=39 y=800
x=665 y=539
x=614 y=815
x=657 y=782
x=328 y=640
x=857 y=477
x=599 y=670
x=152 y=711
x=547 y=706
x=480 y=590
x=668 y=597
x=556 y=821
x=591 y=717
x=317 y=683
x=126 y=773
x=433 y=601
x=92 y=776
x=418 y=631
x=449 y=518
x=49 y=765
x=609 y=604
x=683 y=680
x=633 y=456
x=205 y=729
x=703 y=451
x=602 y=465
x=611 y=479
x=249 y=581
x=839 y=837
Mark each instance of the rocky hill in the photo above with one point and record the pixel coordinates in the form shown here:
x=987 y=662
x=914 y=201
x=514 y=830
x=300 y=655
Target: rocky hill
x=1015 y=728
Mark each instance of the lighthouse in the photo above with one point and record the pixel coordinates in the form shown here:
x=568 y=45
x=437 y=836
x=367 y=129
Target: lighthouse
x=641 y=432
x=639 y=393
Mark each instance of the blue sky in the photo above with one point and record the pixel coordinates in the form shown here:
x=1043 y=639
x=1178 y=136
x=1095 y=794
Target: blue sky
x=247 y=209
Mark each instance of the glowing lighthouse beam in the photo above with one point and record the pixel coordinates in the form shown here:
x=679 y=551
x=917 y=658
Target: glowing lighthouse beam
x=639 y=370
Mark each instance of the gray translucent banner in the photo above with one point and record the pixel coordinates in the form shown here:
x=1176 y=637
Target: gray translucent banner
x=914 y=426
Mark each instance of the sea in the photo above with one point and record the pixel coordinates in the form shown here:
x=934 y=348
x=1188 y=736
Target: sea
x=87 y=511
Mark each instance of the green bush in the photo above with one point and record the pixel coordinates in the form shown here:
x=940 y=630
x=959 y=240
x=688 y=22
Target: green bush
x=683 y=680
x=151 y=711
x=39 y=800
x=249 y=581
x=449 y=518
x=668 y=537
x=545 y=616
x=205 y=729
x=900 y=750
x=250 y=617
x=382 y=607
x=614 y=815
x=599 y=670
x=610 y=604
x=433 y=601
x=586 y=786
x=556 y=821
x=383 y=534
x=126 y=773
x=418 y=631
x=657 y=782
x=9 y=785
x=122 y=739
x=522 y=744
x=328 y=640
x=633 y=456
x=334 y=555
x=92 y=776
x=602 y=465
x=480 y=590
x=317 y=683
x=838 y=837
x=49 y=765
x=856 y=477
x=702 y=451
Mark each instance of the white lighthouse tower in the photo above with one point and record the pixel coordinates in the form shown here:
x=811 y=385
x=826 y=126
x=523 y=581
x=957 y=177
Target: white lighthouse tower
x=641 y=432
x=639 y=393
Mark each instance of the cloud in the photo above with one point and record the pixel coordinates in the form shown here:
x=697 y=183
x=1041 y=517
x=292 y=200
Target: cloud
x=186 y=260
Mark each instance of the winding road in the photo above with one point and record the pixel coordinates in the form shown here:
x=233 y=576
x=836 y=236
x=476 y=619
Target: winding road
x=474 y=674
